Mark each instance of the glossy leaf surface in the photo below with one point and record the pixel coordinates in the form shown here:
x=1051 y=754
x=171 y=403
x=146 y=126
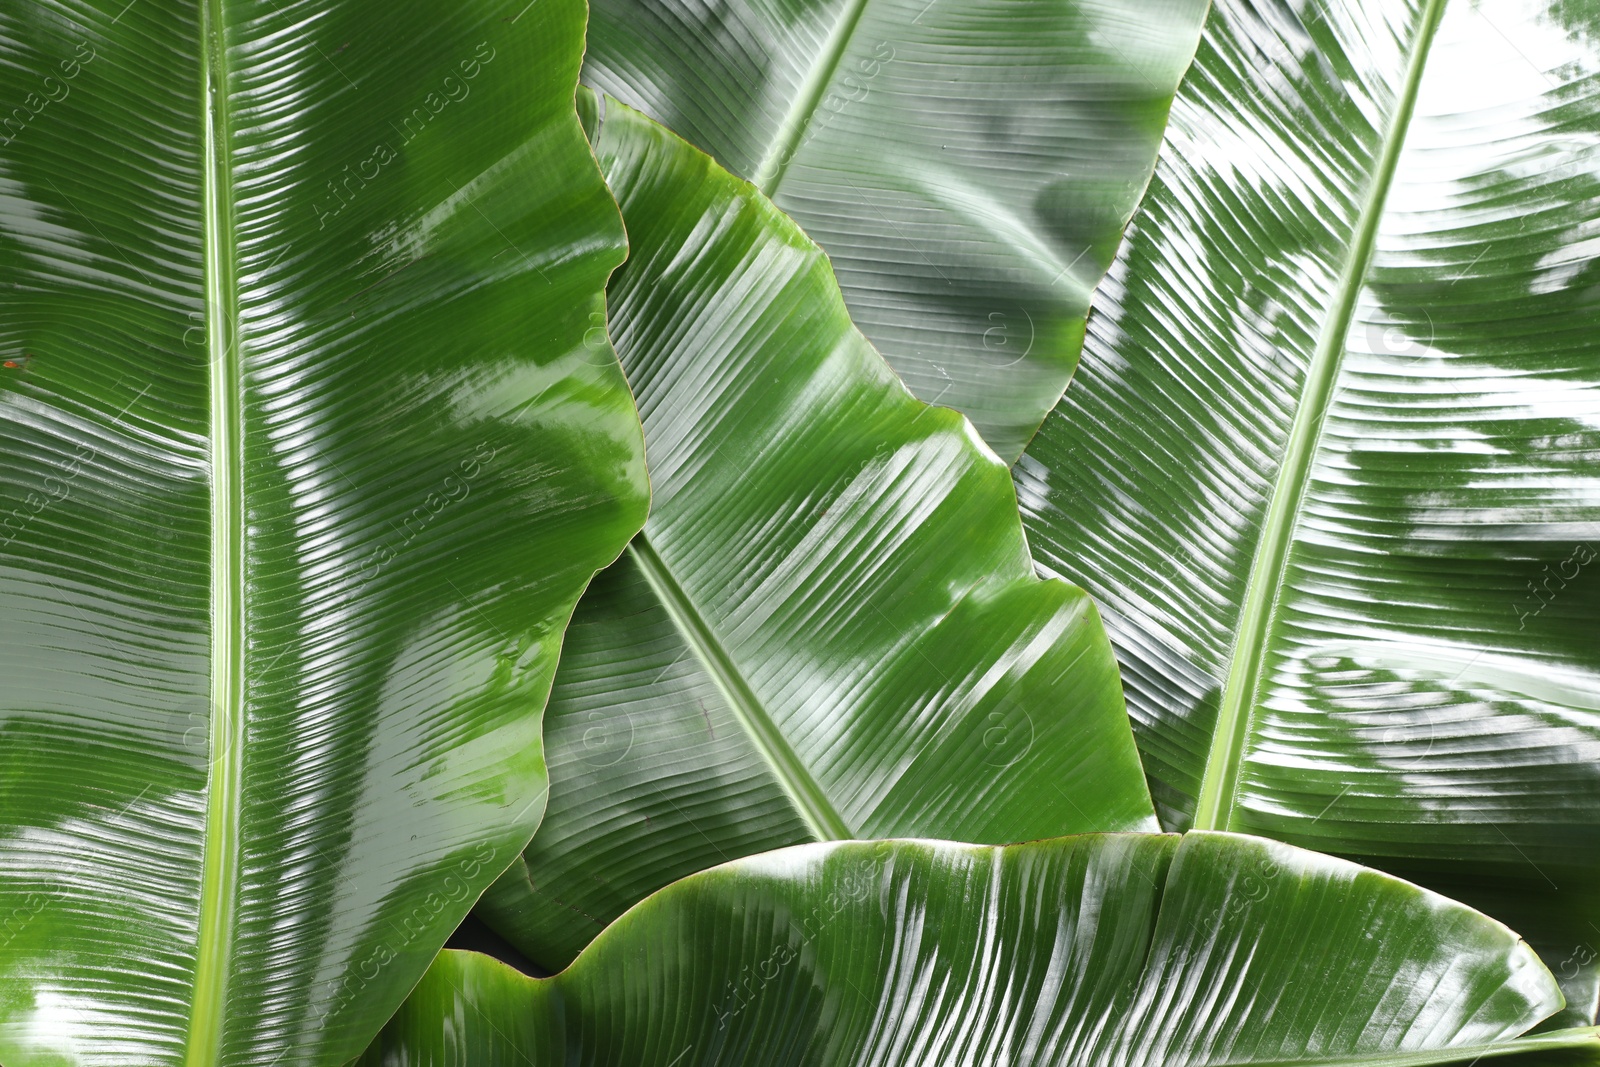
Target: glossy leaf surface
x=1114 y=949
x=968 y=165
x=1332 y=463
x=830 y=627
x=306 y=463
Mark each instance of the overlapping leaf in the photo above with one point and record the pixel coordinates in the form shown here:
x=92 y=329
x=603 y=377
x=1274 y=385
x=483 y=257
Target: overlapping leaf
x=1330 y=466
x=1115 y=949
x=306 y=463
x=968 y=165
x=830 y=627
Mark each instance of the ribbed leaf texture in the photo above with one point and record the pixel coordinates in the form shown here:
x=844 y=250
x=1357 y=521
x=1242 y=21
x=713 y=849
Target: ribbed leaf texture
x=968 y=165
x=830 y=627
x=306 y=464
x=1115 y=950
x=1332 y=463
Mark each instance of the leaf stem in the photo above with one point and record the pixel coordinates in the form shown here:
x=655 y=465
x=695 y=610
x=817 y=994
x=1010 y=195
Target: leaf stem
x=1219 y=784
x=796 y=778
x=792 y=130
x=220 y=869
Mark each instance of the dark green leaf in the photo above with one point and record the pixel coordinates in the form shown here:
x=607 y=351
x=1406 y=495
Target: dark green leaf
x=1332 y=465
x=1113 y=949
x=968 y=165
x=830 y=627
x=306 y=463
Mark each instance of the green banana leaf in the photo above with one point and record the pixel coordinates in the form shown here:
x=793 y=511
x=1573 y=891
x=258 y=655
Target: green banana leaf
x=307 y=461
x=830 y=627
x=968 y=165
x=1332 y=464
x=1109 y=949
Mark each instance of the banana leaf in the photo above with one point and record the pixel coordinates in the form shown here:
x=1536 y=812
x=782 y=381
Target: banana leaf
x=1115 y=949
x=311 y=444
x=1332 y=464
x=968 y=165
x=830 y=627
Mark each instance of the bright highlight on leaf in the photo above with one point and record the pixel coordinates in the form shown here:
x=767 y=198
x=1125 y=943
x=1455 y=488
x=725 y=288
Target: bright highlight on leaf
x=306 y=464
x=1332 y=463
x=830 y=627
x=1115 y=949
x=319 y=476
x=968 y=165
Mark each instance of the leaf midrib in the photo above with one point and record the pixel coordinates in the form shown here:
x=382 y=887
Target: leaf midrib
x=792 y=129
x=220 y=846
x=1219 y=782
x=802 y=787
